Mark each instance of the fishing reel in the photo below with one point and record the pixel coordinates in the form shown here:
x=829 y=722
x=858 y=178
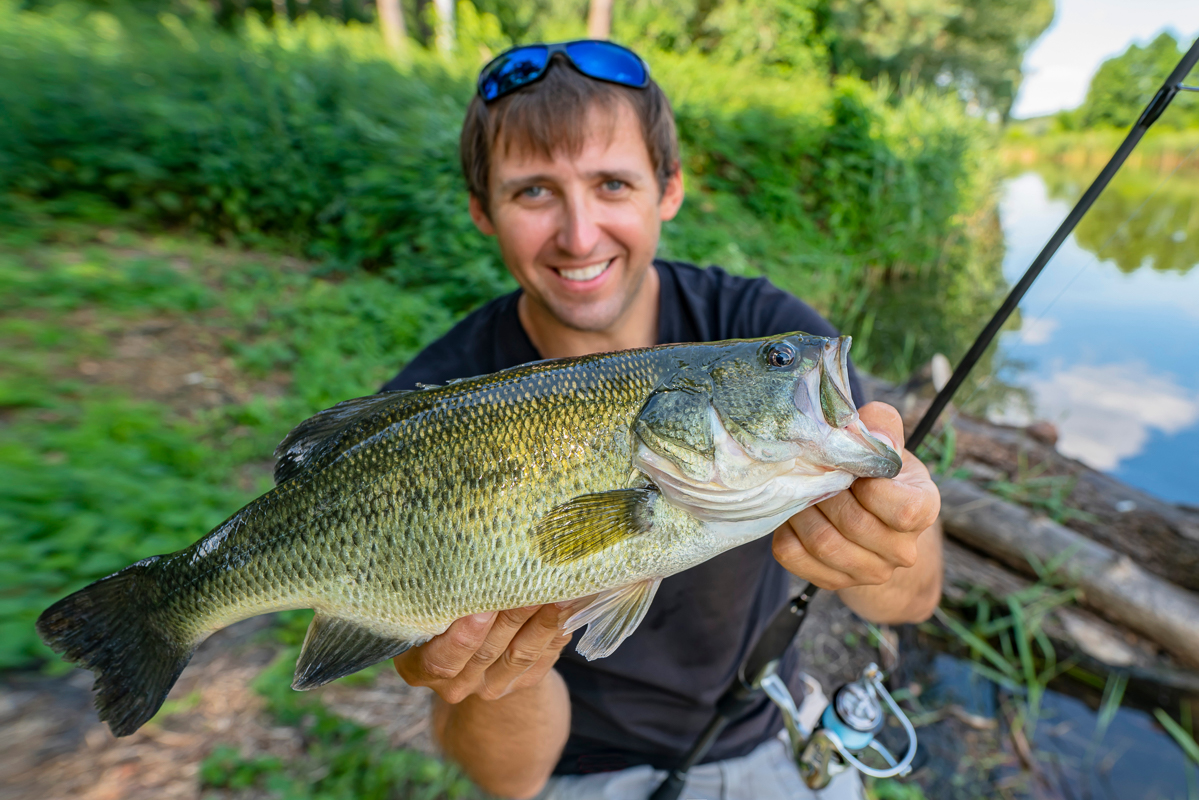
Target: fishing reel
x=846 y=728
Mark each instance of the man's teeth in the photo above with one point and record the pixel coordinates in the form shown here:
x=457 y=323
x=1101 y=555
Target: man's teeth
x=585 y=273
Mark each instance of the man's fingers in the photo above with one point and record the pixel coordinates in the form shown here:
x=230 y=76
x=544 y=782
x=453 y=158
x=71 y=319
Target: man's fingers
x=443 y=657
x=789 y=550
x=908 y=502
x=810 y=545
x=536 y=639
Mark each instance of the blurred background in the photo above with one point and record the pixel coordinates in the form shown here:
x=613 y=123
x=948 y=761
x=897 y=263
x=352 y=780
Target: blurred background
x=217 y=218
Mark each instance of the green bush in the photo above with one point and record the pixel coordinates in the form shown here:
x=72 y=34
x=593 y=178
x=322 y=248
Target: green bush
x=308 y=134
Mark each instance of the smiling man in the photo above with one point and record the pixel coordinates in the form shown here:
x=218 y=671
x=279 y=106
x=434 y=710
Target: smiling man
x=571 y=159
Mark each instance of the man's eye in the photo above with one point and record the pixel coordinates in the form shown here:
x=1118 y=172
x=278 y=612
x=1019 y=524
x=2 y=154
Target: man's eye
x=533 y=192
x=614 y=185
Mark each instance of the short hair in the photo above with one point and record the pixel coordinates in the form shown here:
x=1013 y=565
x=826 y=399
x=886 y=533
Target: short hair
x=550 y=116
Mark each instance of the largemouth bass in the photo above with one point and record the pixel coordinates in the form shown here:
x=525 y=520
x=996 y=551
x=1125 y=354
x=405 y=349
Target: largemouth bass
x=396 y=514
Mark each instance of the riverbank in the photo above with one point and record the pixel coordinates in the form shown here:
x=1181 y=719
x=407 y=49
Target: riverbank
x=1160 y=152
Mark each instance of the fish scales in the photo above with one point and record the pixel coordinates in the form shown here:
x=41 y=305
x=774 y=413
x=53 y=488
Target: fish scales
x=399 y=513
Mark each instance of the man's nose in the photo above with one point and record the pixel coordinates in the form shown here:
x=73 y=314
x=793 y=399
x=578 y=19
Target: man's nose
x=579 y=233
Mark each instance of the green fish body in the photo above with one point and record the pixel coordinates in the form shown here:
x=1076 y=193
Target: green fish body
x=396 y=514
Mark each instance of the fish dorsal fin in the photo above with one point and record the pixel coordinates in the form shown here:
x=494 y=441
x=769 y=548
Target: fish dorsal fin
x=334 y=648
x=613 y=616
x=591 y=522
x=320 y=437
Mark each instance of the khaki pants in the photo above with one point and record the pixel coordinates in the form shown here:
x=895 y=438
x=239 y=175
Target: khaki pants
x=768 y=773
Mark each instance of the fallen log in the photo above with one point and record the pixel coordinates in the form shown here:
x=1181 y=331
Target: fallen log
x=1160 y=536
x=1111 y=583
x=1087 y=638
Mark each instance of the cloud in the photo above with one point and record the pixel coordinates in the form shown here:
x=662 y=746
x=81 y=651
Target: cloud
x=1105 y=413
x=1037 y=330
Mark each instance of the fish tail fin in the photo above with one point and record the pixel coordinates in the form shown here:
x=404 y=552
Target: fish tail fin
x=110 y=628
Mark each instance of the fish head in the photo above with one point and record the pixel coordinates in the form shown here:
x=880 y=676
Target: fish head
x=788 y=397
x=744 y=434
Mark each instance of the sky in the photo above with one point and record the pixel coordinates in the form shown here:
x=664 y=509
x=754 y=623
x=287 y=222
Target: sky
x=1084 y=33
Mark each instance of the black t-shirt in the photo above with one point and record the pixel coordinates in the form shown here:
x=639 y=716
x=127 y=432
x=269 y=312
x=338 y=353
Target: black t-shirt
x=647 y=702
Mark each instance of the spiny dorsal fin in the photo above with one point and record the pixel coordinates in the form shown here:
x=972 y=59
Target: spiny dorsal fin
x=317 y=438
x=591 y=522
x=334 y=648
x=612 y=618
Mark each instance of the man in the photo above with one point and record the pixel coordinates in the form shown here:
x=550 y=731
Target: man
x=571 y=159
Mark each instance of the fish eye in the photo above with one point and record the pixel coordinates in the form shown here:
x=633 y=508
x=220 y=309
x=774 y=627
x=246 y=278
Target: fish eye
x=781 y=355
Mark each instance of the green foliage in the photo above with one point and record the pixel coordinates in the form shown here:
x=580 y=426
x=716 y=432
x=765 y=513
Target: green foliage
x=341 y=759
x=91 y=479
x=1124 y=85
x=1006 y=640
x=310 y=136
x=1046 y=493
x=974 y=48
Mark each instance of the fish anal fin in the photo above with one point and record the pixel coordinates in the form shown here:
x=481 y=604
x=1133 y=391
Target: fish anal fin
x=612 y=617
x=591 y=522
x=335 y=647
x=331 y=432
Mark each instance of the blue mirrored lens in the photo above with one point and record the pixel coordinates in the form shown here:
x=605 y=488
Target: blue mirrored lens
x=608 y=62
x=512 y=70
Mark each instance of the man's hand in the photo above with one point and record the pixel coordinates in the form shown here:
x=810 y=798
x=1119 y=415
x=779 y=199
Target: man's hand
x=860 y=537
x=489 y=655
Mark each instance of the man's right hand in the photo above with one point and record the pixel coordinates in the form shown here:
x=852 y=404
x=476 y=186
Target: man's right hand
x=490 y=655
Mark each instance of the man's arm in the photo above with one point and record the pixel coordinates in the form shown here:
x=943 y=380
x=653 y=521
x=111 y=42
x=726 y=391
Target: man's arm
x=878 y=543
x=501 y=712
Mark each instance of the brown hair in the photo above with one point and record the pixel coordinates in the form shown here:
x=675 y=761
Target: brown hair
x=550 y=116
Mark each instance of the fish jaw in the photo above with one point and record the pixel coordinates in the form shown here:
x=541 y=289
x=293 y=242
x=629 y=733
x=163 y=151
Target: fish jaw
x=741 y=498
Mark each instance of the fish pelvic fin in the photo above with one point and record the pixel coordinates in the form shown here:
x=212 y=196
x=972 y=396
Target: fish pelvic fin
x=335 y=647
x=110 y=628
x=591 y=522
x=612 y=618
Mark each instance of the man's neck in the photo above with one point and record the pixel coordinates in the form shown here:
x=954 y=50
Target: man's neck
x=637 y=326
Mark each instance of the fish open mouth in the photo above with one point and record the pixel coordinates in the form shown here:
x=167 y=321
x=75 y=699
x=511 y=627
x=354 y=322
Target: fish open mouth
x=851 y=447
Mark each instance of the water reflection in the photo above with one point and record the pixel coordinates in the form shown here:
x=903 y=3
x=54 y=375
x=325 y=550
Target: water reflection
x=1142 y=220
x=1109 y=343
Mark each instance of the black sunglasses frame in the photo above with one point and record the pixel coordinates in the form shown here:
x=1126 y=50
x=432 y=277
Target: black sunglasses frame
x=551 y=50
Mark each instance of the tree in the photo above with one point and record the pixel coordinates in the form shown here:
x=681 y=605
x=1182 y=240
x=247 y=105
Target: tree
x=1124 y=84
x=975 y=48
x=599 y=19
x=391 y=20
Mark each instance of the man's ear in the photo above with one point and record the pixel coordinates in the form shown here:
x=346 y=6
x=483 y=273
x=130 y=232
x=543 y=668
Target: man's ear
x=672 y=195
x=479 y=216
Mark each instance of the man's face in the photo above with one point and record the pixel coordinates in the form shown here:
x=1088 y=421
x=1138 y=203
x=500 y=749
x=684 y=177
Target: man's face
x=579 y=232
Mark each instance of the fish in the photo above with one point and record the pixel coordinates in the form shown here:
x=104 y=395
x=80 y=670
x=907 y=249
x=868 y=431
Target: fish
x=583 y=479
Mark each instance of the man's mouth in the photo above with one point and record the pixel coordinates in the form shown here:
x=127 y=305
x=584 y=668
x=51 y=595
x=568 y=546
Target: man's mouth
x=585 y=273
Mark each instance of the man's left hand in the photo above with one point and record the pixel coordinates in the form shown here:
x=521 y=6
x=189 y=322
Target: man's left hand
x=862 y=535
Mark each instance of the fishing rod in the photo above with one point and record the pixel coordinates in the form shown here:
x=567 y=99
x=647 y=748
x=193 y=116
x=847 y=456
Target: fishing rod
x=853 y=717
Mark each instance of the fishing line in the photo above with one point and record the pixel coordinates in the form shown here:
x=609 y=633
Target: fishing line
x=1096 y=257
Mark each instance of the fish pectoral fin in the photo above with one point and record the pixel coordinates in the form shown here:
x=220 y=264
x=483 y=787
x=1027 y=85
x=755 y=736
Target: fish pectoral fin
x=612 y=617
x=327 y=435
x=590 y=522
x=334 y=648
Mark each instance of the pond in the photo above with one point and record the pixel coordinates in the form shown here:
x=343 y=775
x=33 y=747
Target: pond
x=1107 y=344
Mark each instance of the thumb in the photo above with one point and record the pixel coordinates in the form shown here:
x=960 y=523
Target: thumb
x=883 y=420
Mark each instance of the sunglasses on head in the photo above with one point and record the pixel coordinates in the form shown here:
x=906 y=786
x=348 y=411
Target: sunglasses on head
x=527 y=64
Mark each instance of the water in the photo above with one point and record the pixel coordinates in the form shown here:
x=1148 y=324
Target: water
x=1108 y=342
x=1074 y=755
